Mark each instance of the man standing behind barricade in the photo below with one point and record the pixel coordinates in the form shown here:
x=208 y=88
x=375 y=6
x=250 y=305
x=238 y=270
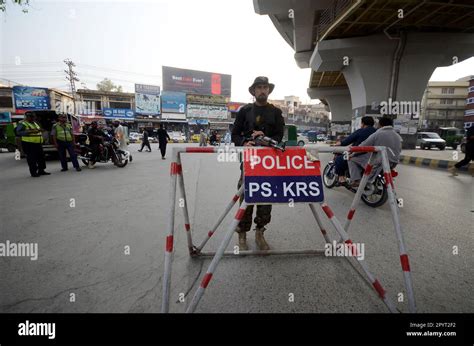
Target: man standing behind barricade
x=32 y=144
x=385 y=136
x=257 y=119
x=63 y=139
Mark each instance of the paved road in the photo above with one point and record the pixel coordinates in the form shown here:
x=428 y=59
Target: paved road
x=447 y=154
x=82 y=249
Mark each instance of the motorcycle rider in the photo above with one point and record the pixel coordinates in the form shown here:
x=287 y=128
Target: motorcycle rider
x=366 y=129
x=385 y=136
x=96 y=138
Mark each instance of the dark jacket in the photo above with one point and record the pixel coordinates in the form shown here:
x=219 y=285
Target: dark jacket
x=162 y=136
x=358 y=136
x=273 y=124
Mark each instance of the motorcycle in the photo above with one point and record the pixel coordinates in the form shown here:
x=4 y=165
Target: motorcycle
x=108 y=151
x=375 y=192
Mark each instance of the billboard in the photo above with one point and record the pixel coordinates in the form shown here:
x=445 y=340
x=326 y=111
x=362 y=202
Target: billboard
x=196 y=82
x=30 y=99
x=147 y=99
x=173 y=102
x=118 y=113
x=207 y=111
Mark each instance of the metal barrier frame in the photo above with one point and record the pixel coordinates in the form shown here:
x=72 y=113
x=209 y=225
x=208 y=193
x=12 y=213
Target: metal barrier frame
x=176 y=174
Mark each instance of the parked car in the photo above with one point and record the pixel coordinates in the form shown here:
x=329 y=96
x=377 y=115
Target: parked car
x=302 y=140
x=177 y=137
x=135 y=137
x=427 y=140
x=195 y=138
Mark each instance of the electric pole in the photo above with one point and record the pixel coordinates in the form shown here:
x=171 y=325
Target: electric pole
x=71 y=76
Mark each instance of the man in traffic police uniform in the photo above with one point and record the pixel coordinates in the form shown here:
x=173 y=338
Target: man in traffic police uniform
x=252 y=120
x=32 y=143
x=63 y=139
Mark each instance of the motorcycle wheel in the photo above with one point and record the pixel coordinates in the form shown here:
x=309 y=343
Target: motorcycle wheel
x=378 y=197
x=120 y=161
x=329 y=175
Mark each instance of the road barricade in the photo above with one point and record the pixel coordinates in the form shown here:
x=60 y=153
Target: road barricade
x=272 y=177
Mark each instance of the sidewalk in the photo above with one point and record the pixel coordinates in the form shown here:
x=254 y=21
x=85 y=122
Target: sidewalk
x=440 y=159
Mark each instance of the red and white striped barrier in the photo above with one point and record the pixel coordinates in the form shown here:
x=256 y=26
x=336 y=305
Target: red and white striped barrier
x=177 y=177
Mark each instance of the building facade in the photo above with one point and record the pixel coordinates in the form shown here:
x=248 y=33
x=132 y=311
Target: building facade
x=444 y=104
x=469 y=112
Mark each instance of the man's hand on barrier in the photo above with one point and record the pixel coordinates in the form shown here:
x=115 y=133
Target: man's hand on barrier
x=257 y=133
x=249 y=144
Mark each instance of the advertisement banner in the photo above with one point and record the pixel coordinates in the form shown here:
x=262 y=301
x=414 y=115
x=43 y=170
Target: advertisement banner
x=196 y=82
x=173 y=116
x=173 y=102
x=206 y=111
x=118 y=113
x=5 y=117
x=147 y=99
x=207 y=99
x=271 y=176
x=30 y=99
x=235 y=106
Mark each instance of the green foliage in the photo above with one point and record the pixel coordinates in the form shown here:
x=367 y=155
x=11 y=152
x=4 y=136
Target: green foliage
x=22 y=3
x=108 y=85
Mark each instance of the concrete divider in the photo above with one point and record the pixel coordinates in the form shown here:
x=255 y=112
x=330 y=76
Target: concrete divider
x=435 y=163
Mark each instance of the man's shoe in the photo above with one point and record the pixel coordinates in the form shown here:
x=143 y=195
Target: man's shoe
x=453 y=171
x=78 y=169
x=64 y=170
x=35 y=175
x=44 y=173
x=243 y=241
x=260 y=239
x=163 y=158
x=139 y=150
x=355 y=184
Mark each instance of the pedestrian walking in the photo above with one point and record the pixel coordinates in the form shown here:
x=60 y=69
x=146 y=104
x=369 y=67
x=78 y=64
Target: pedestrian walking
x=163 y=138
x=469 y=156
x=145 y=141
x=203 y=139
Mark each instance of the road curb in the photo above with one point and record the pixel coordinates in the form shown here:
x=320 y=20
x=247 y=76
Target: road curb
x=434 y=163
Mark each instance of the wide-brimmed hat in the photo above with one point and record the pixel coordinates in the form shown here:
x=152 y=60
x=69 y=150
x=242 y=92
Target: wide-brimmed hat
x=260 y=80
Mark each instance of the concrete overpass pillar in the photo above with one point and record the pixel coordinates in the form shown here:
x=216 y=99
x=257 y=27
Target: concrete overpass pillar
x=339 y=100
x=368 y=67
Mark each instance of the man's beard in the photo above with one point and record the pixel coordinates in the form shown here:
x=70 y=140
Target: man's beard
x=262 y=98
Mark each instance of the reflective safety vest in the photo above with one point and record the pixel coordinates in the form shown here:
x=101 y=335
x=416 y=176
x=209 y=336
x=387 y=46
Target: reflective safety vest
x=63 y=133
x=32 y=138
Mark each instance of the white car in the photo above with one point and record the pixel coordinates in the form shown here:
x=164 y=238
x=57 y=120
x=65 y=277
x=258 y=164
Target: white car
x=301 y=140
x=177 y=137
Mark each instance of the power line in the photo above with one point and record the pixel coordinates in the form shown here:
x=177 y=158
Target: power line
x=120 y=71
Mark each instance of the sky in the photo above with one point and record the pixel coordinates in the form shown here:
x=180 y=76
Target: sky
x=129 y=41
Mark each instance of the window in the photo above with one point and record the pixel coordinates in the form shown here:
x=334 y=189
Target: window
x=121 y=105
x=446 y=101
x=6 y=100
x=450 y=90
x=444 y=90
x=470 y=100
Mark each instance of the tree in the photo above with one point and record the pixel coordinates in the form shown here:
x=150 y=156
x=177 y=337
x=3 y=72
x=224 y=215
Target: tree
x=22 y=3
x=108 y=85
